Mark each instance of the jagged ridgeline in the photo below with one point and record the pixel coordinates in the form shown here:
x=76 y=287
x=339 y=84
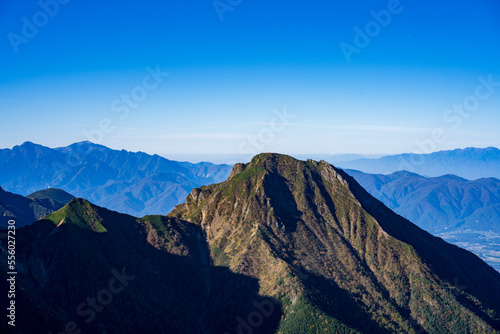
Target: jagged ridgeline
x=336 y=258
x=282 y=246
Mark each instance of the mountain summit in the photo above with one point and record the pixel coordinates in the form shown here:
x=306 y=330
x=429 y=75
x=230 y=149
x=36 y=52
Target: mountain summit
x=282 y=246
x=333 y=254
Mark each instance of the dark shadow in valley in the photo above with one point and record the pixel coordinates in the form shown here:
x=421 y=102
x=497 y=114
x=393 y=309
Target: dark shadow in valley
x=235 y=307
x=339 y=304
x=117 y=282
x=283 y=201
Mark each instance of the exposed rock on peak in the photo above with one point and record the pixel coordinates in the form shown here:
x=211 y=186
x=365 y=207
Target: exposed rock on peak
x=306 y=229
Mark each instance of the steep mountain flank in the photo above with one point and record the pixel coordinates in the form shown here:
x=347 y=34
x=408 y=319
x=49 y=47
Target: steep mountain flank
x=463 y=212
x=319 y=242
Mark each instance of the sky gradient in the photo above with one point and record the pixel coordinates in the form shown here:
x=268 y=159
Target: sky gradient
x=95 y=71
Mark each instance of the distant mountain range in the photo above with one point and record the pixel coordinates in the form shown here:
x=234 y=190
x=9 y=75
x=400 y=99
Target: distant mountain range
x=470 y=163
x=282 y=246
x=128 y=182
x=141 y=184
x=464 y=212
x=26 y=210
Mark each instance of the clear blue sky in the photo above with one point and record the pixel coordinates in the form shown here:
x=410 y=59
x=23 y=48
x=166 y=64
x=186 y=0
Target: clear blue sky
x=228 y=77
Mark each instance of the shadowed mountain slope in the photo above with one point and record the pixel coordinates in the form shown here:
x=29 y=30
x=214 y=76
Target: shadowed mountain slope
x=97 y=271
x=316 y=239
x=463 y=212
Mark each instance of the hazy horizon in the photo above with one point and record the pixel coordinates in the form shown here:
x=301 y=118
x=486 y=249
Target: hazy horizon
x=380 y=77
x=235 y=158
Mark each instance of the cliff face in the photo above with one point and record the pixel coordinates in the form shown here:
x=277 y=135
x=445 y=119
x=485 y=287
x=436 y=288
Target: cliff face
x=315 y=239
x=282 y=246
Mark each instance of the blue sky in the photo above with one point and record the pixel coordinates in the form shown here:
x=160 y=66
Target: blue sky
x=68 y=77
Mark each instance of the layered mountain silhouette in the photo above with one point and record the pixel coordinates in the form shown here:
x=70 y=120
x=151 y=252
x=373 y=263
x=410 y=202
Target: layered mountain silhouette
x=282 y=246
x=461 y=211
x=128 y=182
x=470 y=163
x=26 y=210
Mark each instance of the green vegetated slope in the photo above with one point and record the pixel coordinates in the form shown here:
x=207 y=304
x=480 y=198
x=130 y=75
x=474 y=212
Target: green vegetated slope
x=321 y=245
